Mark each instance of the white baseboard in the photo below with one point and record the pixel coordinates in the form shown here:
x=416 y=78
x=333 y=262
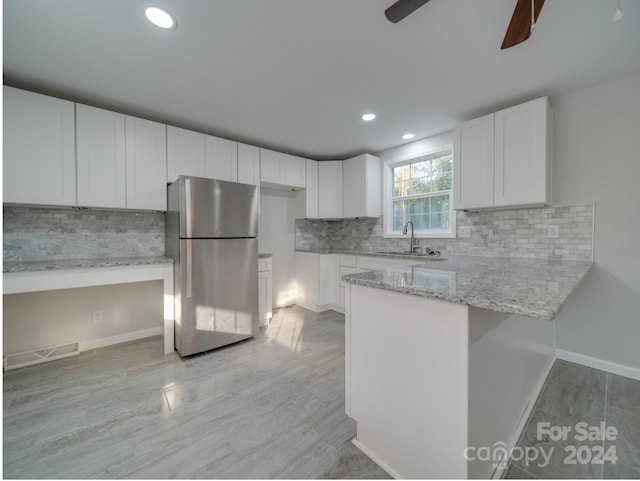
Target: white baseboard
x=522 y=424
x=111 y=340
x=391 y=472
x=608 y=366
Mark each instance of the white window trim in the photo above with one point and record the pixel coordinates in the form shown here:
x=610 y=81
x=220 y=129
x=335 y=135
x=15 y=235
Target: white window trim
x=387 y=194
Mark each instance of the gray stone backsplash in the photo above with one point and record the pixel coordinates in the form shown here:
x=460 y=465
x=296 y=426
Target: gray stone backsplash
x=40 y=233
x=497 y=233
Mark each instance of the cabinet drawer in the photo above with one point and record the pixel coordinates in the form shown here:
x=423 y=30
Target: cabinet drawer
x=346 y=260
x=264 y=264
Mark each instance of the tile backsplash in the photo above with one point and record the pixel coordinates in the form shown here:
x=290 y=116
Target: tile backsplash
x=501 y=233
x=40 y=233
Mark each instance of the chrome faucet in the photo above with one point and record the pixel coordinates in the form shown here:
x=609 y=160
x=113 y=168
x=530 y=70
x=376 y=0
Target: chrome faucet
x=414 y=246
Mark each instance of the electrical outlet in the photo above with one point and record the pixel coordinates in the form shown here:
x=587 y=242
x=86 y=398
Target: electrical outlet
x=553 y=232
x=97 y=317
x=464 y=231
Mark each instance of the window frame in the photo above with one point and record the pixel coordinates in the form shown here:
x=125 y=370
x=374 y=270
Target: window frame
x=387 y=194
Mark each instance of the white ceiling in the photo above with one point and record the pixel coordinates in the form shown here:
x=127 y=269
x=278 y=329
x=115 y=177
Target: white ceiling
x=296 y=75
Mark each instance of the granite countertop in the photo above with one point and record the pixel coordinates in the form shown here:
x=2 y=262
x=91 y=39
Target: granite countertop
x=391 y=255
x=32 y=266
x=264 y=255
x=531 y=287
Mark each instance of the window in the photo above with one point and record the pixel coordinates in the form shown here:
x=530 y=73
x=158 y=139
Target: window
x=419 y=190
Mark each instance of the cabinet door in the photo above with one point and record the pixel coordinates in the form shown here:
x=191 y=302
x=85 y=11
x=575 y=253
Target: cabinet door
x=307 y=198
x=329 y=292
x=39 y=158
x=473 y=148
x=146 y=161
x=100 y=138
x=248 y=164
x=185 y=153
x=330 y=189
x=522 y=163
x=221 y=159
x=361 y=187
x=270 y=166
x=265 y=295
x=307 y=280
x=293 y=171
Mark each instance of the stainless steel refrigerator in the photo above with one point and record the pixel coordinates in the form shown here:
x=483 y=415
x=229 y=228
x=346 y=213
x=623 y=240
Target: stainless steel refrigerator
x=211 y=232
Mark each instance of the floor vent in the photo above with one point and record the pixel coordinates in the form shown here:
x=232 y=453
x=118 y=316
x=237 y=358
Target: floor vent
x=28 y=358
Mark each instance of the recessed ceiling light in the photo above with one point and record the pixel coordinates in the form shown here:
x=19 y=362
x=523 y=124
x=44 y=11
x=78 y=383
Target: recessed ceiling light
x=368 y=117
x=160 y=18
x=408 y=136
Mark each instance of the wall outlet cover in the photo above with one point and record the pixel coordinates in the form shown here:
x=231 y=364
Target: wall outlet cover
x=553 y=232
x=97 y=317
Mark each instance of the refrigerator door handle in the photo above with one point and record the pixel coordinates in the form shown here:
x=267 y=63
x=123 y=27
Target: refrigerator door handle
x=187 y=210
x=189 y=271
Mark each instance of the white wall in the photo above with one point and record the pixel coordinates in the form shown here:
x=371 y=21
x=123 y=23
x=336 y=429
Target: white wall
x=48 y=318
x=276 y=235
x=597 y=159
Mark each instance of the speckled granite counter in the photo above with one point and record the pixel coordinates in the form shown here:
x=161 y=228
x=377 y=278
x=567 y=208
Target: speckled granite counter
x=531 y=287
x=32 y=266
x=390 y=255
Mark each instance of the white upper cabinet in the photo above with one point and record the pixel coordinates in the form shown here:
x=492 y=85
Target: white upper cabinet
x=330 y=189
x=307 y=198
x=146 y=164
x=39 y=158
x=248 y=164
x=361 y=187
x=504 y=159
x=523 y=154
x=282 y=170
x=221 y=159
x=185 y=153
x=100 y=158
x=473 y=144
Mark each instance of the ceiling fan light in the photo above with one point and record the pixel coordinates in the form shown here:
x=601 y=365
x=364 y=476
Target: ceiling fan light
x=618 y=15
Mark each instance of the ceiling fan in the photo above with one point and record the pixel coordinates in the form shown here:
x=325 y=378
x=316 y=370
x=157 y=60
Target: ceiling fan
x=520 y=28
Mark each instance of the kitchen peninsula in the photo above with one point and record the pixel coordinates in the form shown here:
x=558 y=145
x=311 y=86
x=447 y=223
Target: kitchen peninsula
x=449 y=355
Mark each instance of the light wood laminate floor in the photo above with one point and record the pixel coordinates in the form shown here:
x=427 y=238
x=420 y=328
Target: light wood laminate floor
x=270 y=407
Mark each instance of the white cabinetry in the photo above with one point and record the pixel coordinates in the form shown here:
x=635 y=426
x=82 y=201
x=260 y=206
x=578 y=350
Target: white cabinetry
x=473 y=164
x=504 y=159
x=307 y=198
x=221 y=159
x=185 y=153
x=318 y=280
x=39 y=155
x=265 y=291
x=248 y=164
x=146 y=164
x=361 y=187
x=523 y=154
x=281 y=170
x=100 y=161
x=330 y=189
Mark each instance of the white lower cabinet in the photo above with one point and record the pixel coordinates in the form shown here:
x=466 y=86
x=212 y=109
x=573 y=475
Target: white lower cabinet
x=318 y=281
x=39 y=157
x=265 y=291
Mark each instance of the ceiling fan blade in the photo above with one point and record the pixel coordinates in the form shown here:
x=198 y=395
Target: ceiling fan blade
x=402 y=8
x=520 y=26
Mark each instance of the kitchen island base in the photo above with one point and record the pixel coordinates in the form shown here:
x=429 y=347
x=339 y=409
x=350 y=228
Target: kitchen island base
x=429 y=382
